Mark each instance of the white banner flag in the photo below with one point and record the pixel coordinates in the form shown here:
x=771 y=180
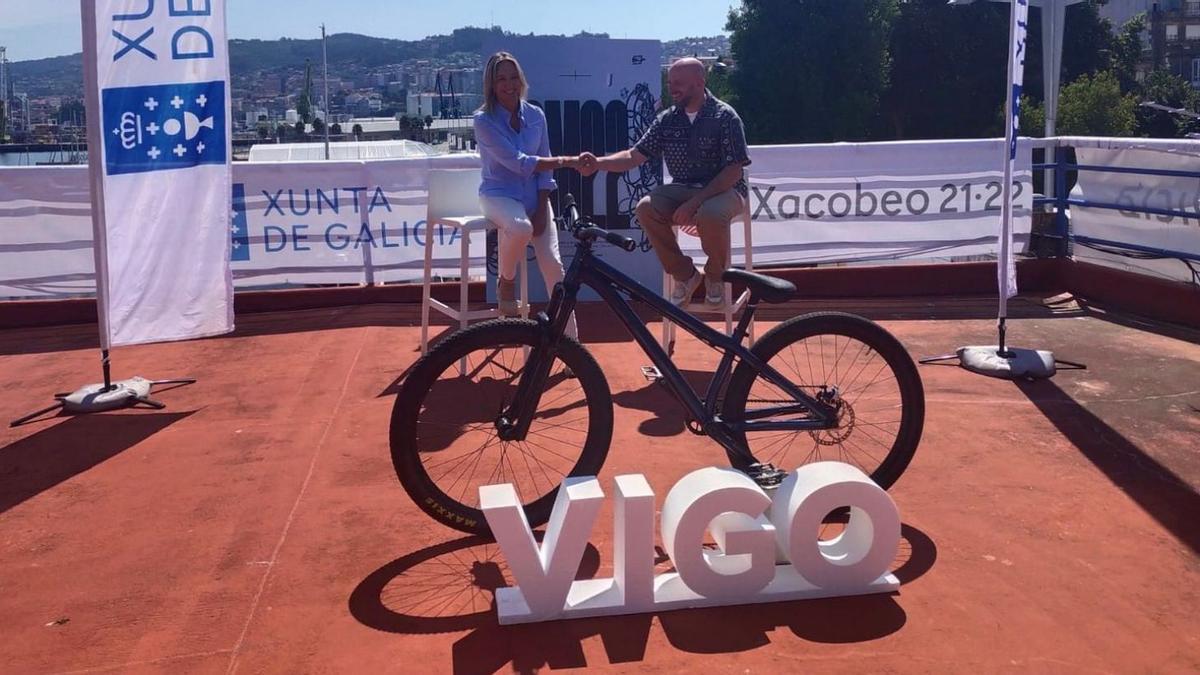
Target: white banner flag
x=157 y=78
x=1006 y=266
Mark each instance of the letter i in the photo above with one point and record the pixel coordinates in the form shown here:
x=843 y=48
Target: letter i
x=633 y=542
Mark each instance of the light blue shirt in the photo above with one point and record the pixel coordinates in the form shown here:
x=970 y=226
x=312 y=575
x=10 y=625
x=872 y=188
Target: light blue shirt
x=510 y=157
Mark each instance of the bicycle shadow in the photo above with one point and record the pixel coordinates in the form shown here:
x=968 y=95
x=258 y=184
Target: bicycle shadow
x=449 y=587
x=669 y=414
x=453 y=419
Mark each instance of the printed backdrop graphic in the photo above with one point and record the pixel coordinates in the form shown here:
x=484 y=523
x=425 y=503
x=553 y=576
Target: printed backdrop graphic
x=303 y=222
x=163 y=127
x=1176 y=193
x=848 y=202
x=157 y=78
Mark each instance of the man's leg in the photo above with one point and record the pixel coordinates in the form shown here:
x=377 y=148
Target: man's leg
x=712 y=220
x=654 y=213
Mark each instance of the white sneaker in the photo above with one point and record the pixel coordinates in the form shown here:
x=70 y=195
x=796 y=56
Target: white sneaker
x=714 y=295
x=681 y=293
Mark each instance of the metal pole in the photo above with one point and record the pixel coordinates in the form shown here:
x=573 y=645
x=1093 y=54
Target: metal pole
x=325 y=70
x=1061 y=224
x=1054 y=18
x=4 y=92
x=108 y=386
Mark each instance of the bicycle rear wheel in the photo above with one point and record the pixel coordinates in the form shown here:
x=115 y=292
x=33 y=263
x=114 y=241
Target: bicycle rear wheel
x=443 y=436
x=857 y=363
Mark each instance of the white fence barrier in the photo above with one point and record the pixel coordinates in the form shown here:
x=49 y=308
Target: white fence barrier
x=363 y=222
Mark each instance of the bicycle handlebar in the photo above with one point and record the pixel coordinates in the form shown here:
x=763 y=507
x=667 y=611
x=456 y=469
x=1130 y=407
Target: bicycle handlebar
x=585 y=231
x=593 y=232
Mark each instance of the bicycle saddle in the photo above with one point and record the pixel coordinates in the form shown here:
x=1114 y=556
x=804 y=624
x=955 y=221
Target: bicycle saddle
x=768 y=289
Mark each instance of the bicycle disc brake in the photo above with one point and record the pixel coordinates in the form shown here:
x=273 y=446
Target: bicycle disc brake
x=845 y=418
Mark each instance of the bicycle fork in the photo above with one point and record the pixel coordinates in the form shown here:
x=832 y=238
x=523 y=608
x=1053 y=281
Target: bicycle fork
x=514 y=422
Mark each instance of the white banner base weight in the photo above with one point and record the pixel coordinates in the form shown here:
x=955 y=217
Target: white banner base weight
x=1015 y=363
x=100 y=397
x=602 y=597
x=1009 y=363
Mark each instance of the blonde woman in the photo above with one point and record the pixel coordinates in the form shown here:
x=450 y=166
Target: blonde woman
x=514 y=148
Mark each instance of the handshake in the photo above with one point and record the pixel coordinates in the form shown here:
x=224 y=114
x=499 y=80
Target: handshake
x=586 y=164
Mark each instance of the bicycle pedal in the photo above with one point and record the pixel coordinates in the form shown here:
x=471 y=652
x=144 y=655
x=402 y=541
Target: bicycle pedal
x=766 y=475
x=652 y=373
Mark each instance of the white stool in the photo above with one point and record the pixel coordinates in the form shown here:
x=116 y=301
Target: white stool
x=731 y=306
x=454 y=202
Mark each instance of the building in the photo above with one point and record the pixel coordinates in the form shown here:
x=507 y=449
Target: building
x=431 y=103
x=422 y=104
x=253 y=115
x=1120 y=11
x=465 y=80
x=1175 y=38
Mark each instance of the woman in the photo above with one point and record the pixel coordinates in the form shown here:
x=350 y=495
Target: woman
x=514 y=147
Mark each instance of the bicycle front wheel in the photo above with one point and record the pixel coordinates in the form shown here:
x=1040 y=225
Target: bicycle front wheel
x=847 y=360
x=443 y=431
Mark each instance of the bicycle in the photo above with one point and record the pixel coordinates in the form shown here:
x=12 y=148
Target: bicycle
x=508 y=395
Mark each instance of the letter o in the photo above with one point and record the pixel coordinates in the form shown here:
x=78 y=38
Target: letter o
x=908 y=201
x=833 y=211
x=863 y=552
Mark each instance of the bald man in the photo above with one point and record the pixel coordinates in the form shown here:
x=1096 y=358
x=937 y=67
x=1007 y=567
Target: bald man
x=704 y=145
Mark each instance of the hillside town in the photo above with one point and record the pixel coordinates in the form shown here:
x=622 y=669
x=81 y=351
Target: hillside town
x=279 y=97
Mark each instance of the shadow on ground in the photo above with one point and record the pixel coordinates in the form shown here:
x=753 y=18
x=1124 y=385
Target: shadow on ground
x=450 y=587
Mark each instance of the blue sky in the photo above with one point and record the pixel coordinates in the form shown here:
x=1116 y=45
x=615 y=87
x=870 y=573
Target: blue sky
x=34 y=29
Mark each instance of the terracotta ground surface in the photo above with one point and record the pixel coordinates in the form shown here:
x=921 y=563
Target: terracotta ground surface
x=256 y=524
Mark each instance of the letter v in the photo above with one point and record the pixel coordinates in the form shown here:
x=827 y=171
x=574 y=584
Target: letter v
x=543 y=576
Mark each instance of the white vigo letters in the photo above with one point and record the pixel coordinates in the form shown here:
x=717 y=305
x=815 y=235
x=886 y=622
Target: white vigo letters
x=752 y=532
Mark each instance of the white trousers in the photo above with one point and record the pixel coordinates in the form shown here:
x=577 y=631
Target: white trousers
x=515 y=233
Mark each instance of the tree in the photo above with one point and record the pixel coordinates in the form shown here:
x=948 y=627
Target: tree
x=264 y=130
x=318 y=125
x=719 y=83
x=357 y=130
x=300 y=128
x=280 y=132
x=71 y=111
x=415 y=124
x=1167 y=89
x=428 y=121
x=1126 y=52
x=1089 y=106
x=948 y=71
x=1033 y=117
x=1087 y=45
x=335 y=129
x=810 y=70
x=304 y=107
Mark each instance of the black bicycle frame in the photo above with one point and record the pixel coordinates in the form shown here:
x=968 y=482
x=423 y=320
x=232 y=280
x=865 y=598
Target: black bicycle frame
x=609 y=282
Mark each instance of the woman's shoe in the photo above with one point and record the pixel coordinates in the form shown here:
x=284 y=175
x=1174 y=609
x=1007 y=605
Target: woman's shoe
x=506 y=296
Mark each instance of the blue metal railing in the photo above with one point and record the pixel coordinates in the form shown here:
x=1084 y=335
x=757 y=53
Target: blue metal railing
x=1062 y=200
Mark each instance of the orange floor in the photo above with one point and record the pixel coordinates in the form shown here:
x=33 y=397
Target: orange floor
x=256 y=524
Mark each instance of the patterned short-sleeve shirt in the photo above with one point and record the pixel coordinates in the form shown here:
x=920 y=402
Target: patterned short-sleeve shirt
x=695 y=152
